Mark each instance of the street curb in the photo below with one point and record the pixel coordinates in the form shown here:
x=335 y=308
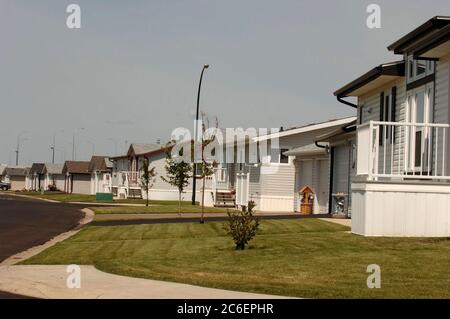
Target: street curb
x=31 y=197
x=30 y=252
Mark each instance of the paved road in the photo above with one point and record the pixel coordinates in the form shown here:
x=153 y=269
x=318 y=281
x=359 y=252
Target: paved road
x=25 y=222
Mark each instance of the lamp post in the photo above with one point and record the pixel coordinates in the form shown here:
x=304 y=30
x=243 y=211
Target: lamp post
x=194 y=179
x=19 y=138
x=53 y=147
x=73 y=141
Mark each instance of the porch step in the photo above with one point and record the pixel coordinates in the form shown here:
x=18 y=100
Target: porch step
x=135 y=193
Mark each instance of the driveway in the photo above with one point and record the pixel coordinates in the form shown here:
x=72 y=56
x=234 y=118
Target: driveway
x=26 y=222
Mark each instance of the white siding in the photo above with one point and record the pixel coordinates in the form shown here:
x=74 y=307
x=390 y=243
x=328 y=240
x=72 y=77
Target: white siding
x=441 y=107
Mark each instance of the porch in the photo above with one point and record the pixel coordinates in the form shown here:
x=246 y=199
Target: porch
x=402 y=185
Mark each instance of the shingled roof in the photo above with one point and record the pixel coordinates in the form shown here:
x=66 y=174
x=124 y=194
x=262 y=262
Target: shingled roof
x=100 y=164
x=76 y=167
x=51 y=168
x=17 y=171
x=37 y=168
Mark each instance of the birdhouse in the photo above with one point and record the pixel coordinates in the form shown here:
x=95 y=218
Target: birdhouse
x=307 y=200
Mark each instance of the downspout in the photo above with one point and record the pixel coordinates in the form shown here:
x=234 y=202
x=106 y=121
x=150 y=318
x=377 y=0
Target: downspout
x=330 y=192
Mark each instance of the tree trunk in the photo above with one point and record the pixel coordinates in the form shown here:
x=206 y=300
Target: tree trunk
x=202 y=219
x=146 y=203
x=179 y=203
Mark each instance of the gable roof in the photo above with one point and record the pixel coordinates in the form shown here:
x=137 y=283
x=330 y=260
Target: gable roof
x=434 y=47
x=139 y=149
x=76 y=167
x=17 y=171
x=306 y=150
x=378 y=76
x=308 y=128
x=100 y=164
x=37 y=168
x=143 y=149
x=426 y=30
x=51 y=168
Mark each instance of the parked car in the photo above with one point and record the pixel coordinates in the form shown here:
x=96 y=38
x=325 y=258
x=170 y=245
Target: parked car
x=5 y=186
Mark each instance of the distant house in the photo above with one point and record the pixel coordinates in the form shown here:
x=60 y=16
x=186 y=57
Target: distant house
x=16 y=176
x=77 y=177
x=127 y=168
x=36 y=177
x=273 y=183
x=53 y=176
x=100 y=168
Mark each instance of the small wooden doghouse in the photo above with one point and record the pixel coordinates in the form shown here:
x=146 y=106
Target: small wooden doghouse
x=307 y=200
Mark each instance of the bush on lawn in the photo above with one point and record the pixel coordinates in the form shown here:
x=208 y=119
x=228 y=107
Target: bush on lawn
x=242 y=225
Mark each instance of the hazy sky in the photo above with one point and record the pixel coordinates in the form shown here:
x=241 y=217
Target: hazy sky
x=131 y=72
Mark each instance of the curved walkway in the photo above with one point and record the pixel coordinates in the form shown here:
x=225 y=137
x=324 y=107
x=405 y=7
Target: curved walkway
x=50 y=282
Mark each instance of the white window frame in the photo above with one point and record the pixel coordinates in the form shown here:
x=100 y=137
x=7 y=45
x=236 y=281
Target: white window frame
x=414 y=76
x=277 y=163
x=411 y=116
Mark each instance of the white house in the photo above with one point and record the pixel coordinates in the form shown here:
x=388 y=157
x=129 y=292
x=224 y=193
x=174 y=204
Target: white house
x=53 y=176
x=402 y=182
x=100 y=168
x=273 y=182
x=35 y=179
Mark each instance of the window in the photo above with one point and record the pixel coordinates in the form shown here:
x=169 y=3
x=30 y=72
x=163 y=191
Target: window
x=277 y=156
x=418 y=69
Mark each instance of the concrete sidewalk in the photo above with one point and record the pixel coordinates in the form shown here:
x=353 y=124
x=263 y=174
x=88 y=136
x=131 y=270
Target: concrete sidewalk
x=50 y=282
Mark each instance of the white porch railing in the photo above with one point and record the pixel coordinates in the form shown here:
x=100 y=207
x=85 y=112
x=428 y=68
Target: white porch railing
x=402 y=150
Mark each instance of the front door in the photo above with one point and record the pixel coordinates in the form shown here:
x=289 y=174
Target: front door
x=419 y=111
x=242 y=189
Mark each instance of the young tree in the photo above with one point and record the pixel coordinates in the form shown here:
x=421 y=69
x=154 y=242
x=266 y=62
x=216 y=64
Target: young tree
x=147 y=177
x=242 y=226
x=206 y=167
x=178 y=173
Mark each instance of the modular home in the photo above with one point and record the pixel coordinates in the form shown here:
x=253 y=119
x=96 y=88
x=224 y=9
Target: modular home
x=100 y=168
x=17 y=176
x=402 y=181
x=54 y=177
x=77 y=177
x=36 y=177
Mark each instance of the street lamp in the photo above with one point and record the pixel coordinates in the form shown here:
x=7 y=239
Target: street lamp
x=53 y=147
x=194 y=179
x=19 y=139
x=73 y=141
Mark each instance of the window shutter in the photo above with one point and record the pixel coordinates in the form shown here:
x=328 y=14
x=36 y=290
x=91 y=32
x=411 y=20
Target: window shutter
x=394 y=110
x=381 y=117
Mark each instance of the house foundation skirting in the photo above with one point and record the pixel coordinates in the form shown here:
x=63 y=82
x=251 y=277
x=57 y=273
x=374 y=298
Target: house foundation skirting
x=401 y=209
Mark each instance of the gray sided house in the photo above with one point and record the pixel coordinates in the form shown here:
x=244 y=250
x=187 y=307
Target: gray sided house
x=274 y=184
x=77 y=177
x=17 y=177
x=402 y=182
x=342 y=148
x=54 y=177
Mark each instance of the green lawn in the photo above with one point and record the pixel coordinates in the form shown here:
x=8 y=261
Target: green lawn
x=64 y=197
x=157 y=209
x=304 y=258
